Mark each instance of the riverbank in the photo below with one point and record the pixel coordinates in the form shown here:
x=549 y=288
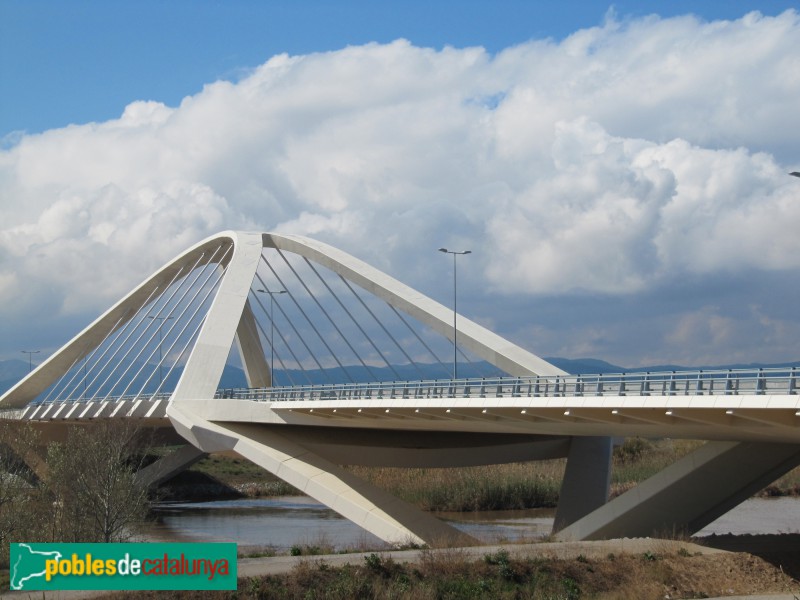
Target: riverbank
x=642 y=569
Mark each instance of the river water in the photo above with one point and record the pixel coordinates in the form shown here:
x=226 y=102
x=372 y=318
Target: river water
x=280 y=523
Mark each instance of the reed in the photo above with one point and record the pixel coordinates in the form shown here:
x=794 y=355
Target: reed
x=493 y=487
x=638 y=459
x=518 y=485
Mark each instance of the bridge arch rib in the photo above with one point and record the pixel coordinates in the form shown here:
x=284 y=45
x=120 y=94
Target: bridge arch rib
x=238 y=254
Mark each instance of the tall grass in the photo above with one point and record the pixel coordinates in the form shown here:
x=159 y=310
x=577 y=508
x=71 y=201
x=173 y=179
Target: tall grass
x=518 y=485
x=638 y=459
x=495 y=487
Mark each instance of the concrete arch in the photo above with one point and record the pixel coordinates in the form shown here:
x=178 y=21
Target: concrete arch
x=229 y=307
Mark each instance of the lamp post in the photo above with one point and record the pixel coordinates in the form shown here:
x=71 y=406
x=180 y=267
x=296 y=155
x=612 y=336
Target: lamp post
x=272 y=331
x=795 y=173
x=160 y=339
x=455 y=253
x=30 y=354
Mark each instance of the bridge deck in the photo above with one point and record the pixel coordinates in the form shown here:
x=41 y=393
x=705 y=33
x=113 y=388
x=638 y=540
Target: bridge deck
x=754 y=404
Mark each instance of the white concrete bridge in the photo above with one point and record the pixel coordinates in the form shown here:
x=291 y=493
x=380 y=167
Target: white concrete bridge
x=158 y=355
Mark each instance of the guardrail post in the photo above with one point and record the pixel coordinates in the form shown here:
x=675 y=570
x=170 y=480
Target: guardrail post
x=646 y=384
x=792 y=381
x=760 y=383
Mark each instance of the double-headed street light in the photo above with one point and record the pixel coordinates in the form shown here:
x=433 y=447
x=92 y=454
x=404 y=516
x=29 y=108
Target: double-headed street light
x=455 y=253
x=30 y=354
x=272 y=331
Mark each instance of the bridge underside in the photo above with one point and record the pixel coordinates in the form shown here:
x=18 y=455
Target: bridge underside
x=305 y=446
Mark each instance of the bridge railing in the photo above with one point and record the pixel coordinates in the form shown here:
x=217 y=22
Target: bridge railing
x=664 y=383
x=97 y=400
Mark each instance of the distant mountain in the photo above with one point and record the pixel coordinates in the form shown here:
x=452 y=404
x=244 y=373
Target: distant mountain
x=591 y=366
x=11 y=371
x=578 y=366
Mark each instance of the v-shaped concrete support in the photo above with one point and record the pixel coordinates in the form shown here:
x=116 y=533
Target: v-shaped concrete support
x=373 y=509
x=689 y=494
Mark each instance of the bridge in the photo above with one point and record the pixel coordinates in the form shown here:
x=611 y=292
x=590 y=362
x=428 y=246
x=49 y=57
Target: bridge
x=342 y=373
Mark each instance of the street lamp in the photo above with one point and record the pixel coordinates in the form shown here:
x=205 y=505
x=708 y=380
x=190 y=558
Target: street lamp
x=272 y=331
x=455 y=253
x=160 y=339
x=795 y=173
x=30 y=354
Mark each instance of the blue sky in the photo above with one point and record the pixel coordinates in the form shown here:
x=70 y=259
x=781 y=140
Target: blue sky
x=619 y=171
x=83 y=61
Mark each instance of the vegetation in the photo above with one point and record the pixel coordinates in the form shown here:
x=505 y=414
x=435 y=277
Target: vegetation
x=451 y=574
x=90 y=494
x=89 y=491
x=495 y=487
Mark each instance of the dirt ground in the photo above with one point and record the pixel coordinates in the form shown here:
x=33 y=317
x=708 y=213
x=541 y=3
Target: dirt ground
x=622 y=569
x=627 y=569
x=782 y=551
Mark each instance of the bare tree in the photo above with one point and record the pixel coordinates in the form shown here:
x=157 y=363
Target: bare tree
x=93 y=479
x=20 y=499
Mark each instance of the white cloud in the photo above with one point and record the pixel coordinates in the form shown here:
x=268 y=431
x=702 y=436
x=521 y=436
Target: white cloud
x=625 y=158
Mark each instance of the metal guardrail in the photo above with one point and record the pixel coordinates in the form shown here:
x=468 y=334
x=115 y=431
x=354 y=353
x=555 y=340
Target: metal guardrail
x=664 y=383
x=669 y=383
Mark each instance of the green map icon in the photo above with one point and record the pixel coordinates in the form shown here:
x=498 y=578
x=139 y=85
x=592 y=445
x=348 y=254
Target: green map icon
x=27 y=566
x=123 y=566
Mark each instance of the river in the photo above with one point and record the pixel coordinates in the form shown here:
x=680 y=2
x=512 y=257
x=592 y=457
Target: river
x=284 y=522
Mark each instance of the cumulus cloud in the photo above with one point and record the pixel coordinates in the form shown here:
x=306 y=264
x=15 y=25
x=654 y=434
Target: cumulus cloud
x=620 y=160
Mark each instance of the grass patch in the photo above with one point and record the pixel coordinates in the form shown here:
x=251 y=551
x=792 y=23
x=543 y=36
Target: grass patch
x=451 y=575
x=245 y=477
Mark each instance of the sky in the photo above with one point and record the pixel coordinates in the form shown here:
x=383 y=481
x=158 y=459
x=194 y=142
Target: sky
x=619 y=171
